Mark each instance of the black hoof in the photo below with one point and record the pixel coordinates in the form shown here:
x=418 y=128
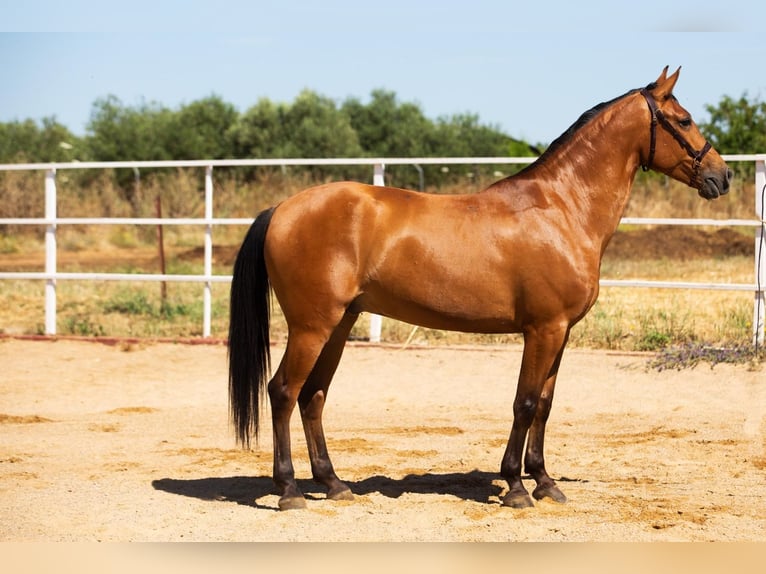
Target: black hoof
x=550 y=491
x=343 y=493
x=515 y=500
x=292 y=503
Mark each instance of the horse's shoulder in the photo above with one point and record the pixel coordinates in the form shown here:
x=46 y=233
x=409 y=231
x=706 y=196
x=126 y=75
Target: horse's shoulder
x=516 y=195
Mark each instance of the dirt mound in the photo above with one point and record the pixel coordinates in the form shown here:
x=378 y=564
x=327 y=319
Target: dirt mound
x=678 y=242
x=222 y=254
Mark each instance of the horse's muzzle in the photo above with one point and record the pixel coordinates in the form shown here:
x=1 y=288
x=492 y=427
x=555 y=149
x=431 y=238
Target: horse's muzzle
x=714 y=186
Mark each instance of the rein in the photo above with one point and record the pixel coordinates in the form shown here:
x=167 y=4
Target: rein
x=659 y=117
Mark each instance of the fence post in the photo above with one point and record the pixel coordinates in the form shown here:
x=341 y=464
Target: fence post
x=759 y=305
x=376 y=321
x=50 y=251
x=207 y=297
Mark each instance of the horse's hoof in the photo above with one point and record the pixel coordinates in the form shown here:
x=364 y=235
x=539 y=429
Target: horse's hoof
x=549 y=491
x=292 y=503
x=340 y=494
x=513 y=500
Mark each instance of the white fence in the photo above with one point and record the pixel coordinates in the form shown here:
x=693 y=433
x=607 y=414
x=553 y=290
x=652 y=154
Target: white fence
x=51 y=222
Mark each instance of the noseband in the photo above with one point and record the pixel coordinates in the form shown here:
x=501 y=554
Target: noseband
x=658 y=116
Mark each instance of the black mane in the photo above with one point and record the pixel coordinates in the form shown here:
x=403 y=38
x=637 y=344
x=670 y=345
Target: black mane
x=581 y=121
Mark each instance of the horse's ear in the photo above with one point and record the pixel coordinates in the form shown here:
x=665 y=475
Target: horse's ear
x=665 y=84
x=663 y=76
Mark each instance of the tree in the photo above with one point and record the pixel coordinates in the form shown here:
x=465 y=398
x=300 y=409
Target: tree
x=387 y=128
x=736 y=127
x=463 y=136
x=28 y=141
x=314 y=127
x=257 y=133
x=311 y=127
x=119 y=133
x=200 y=130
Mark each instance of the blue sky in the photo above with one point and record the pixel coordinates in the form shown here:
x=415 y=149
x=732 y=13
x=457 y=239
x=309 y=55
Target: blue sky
x=529 y=70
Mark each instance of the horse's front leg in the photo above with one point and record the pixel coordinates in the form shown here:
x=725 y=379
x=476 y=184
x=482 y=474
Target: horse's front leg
x=542 y=353
x=534 y=461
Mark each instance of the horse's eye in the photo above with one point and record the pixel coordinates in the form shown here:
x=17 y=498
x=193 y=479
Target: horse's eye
x=685 y=122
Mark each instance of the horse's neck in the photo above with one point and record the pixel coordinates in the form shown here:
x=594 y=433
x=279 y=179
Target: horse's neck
x=591 y=175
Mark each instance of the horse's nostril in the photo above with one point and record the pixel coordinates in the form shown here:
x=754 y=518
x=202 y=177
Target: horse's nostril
x=729 y=175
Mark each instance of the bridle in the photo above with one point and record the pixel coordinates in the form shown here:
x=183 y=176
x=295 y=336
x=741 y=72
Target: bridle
x=658 y=116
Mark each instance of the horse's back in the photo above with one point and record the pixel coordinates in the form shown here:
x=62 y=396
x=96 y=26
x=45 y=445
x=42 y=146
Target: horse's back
x=368 y=225
x=328 y=216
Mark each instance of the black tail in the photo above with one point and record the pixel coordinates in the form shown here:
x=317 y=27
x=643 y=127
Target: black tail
x=249 y=352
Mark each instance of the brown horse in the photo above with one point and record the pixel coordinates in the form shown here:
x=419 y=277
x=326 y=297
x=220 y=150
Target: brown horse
x=522 y=256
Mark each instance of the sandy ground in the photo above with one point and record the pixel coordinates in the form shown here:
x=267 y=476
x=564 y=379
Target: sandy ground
x=132 y=443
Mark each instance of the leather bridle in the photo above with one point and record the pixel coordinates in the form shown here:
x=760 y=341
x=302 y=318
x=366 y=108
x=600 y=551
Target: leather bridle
x=659 y=117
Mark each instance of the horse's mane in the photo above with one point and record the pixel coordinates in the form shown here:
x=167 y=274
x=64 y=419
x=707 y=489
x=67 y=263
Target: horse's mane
x=579 y=124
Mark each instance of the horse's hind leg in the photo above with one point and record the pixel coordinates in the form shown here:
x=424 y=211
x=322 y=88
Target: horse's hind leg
x=301 y=354
x=311 y=402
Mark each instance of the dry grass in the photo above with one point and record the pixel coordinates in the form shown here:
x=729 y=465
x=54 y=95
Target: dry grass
x=624 y=319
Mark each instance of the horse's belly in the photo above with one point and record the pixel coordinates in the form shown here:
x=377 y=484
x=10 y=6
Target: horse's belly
x=444 y=311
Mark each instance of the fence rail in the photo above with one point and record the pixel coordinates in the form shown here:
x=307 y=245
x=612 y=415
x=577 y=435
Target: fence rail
x=51 y=221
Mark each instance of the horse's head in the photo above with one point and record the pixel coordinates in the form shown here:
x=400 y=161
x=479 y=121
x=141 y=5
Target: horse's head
x=676 y=146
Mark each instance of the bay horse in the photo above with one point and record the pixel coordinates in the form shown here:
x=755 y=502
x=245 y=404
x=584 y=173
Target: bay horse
x=522 y=256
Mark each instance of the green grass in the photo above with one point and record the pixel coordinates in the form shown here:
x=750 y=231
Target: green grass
x=8 y=245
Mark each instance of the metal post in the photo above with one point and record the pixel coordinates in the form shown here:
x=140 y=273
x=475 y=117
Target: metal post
x=207 y=296
x=50 y=252
x=421 y=179
x=759 y=305
x=376 y=321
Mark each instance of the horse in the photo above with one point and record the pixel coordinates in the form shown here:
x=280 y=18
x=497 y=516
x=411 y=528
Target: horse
x=521 y=256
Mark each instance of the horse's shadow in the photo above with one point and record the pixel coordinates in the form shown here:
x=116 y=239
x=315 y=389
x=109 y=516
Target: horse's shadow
x=475 y=485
